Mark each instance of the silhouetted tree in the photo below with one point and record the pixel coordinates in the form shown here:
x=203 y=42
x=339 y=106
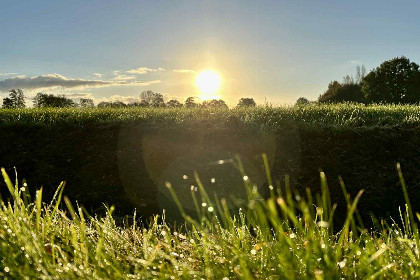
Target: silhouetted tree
x=337 y=92
x=86 y=103
x=154 y=99
x=49 y=100
x=302 y=101
x=144 y=103
x=16 y=99
x=147 y=96
x=133 y=104
x=349 y=93
x=331 y=92
x=7 y=103
x=190 y=102
x=104 y=104
x=157 y=100
x=37 y=99
x=246 y=102
x=395 y=81
x=349 y=90
x=118 y=104
x=173 y=103
x=214 y=103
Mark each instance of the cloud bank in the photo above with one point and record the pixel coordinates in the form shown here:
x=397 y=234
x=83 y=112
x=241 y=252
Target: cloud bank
x=7 y=74
x=144 y=70
x=184 y=71
x=121 y=77
x=57 y=80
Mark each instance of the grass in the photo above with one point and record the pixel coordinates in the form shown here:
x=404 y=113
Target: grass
x=287 y=236
x=265 y=118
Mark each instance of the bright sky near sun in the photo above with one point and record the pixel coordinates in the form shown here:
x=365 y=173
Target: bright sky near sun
x=269 y=50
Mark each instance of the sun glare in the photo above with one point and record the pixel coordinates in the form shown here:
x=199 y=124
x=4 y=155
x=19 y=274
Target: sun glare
x=208 y=82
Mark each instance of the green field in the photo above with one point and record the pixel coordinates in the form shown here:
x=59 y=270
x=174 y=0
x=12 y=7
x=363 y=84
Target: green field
x=126 y=157
x=337 y=115
x=123 y=157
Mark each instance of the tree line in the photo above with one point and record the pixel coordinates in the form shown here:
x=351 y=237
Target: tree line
x=16 y=99
x=394 y=81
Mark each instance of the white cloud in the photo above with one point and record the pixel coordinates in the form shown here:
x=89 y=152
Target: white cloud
x=354 y=62
x=78 y=95
x=144 y=70
x=99 y=75
x=122 y=77
x=184 y=71
x=60 y=81
x=7 y=74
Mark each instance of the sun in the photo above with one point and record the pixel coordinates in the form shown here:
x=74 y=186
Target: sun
x=208 y=82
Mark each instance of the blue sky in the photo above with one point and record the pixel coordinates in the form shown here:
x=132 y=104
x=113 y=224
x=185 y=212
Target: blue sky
x=270 y=50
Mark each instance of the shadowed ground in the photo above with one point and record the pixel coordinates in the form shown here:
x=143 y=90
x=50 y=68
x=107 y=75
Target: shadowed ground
x=128 y=164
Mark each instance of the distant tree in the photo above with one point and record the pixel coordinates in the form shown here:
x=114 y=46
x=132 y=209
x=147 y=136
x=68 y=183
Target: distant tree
x=246 y=102
x=173 y=104
x=16 y=99
x=118 y=104
x=49 y=100
x=190 y=102
x=349 y=90
x=147 y=96
x=349 y=93
x=7 y=103
x=302 y=101
x=157 y=100
x=214 y=103
x=65 y=102
x=115 y=104
x=331 y=92
x=395 y=81
x=154 y=99
x=133 y=104
x=37 y=100
x=86 y=103
x=360 y=74
x=348 y=80
x=337 y=92
x=144 y=103
x=104 y=104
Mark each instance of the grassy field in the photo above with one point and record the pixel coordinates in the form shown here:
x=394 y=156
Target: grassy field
x=123 y=157
x=287 y=236
x=287 y=227
x=338 y=115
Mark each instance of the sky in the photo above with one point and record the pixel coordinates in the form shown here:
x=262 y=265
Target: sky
x=272 y=51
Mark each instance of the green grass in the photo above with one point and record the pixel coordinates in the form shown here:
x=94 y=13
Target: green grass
x=283 y=237
x=338 y=115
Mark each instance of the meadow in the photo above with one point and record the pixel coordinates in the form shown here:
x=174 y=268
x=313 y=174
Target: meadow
x=181 y=168
x=124 y=156
x=342 y=115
